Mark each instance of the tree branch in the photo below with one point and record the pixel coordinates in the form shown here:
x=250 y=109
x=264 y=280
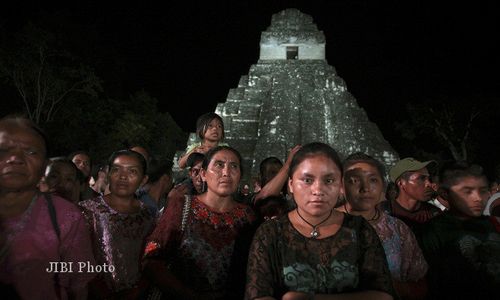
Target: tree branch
x=61 y=98
x=449 y=142
x=469 y=124
x=17 y=77
x=39 y=76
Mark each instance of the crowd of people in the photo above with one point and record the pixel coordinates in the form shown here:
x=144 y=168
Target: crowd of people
x=314 y=226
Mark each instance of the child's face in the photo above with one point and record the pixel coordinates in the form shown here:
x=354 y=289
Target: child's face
x=214 y=130
x=468 y=197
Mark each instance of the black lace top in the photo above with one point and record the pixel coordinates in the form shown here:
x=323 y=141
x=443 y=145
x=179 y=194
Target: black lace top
x=281 y=260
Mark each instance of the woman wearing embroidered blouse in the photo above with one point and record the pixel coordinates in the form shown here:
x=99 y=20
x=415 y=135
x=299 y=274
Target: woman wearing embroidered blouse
x=316 y=252
x=119 y=224
x=207 y=256
x=364 y=186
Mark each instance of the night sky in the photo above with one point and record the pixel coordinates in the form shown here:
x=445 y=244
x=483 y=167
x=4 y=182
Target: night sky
x=190 y=55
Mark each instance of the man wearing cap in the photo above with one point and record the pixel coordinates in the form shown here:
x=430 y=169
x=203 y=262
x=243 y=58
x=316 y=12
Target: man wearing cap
x=414 y=189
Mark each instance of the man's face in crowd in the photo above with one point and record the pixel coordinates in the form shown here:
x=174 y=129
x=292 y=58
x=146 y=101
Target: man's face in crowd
x=468 y=196
x=418 y=185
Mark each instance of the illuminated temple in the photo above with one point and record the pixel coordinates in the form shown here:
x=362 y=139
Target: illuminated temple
x=293 y=96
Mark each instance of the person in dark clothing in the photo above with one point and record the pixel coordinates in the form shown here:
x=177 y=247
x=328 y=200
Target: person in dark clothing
x=414 y=189
x=461 y=246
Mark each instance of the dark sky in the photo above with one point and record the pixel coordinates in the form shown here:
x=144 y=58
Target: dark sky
x=190 y=54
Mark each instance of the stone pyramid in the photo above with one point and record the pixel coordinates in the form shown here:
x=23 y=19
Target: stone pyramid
x=292 y=96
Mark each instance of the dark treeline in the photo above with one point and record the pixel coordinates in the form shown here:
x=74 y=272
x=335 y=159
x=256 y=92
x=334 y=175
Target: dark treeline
x=45 y=79
x=65 y=74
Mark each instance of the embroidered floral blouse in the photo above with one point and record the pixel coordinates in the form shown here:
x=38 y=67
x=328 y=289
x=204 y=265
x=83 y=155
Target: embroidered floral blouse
x=281 y=260
x=210 y=254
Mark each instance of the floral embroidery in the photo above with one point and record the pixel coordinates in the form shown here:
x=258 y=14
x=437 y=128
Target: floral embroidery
x=241 y=214
x=228 y=220
x=203 y=214
x=151 y=247
x=205 y=257
x=215 y=219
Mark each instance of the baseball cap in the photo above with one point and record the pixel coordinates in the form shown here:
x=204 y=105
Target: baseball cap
x=405 y=165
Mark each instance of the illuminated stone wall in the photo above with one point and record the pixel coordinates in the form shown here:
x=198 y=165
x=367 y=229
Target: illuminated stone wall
x=284 y=102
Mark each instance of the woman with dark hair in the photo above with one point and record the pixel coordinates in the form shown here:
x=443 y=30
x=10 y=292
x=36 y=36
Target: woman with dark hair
x=364 y=185
x=316 y=251
x=210 y=131
x=119 y=224
x=64 y=179
x=40 y=235
x=204 y=239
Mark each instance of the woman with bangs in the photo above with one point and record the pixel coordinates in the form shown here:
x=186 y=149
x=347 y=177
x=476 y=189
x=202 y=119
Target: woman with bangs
x=315 y=251
x=364 y=185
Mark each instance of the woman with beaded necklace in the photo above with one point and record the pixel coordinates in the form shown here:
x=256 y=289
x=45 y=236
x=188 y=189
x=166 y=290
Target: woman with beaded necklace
x=315 y=251
x=364 y=187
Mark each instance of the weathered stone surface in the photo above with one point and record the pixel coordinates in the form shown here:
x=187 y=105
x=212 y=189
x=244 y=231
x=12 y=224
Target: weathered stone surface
x=283 y=102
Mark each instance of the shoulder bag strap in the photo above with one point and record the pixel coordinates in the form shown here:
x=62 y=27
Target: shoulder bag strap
x=185 y=211
x=53 y=220
x=52 y=214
